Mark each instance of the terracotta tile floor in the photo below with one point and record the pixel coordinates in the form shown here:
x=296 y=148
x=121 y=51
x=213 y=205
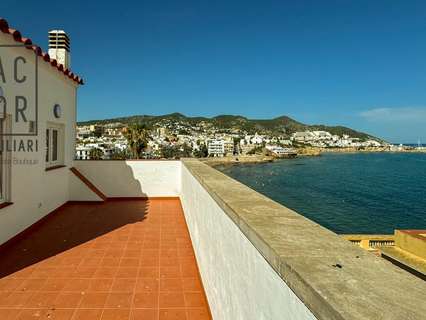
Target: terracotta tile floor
x=111 y=261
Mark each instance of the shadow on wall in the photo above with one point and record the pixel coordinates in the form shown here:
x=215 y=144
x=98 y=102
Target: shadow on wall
x=72 y=225
x=115 y=178
x=77 y=223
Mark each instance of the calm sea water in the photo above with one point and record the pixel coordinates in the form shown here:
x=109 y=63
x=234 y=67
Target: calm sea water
x=346 y=193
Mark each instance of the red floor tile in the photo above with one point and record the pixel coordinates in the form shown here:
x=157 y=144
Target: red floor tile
x=100 y=285
x=87 y=314
x=171 y=284
x=147 y=284
x=8 y=314
x=145 y=300
x=173 y=314
x=113 y=261
x=172 y=300
x=123 y=285
x=144 y=314
x=115 y=314
x=68 y=300
x=195 y=299
x=198 y=314
x=119 y=300
x=170 y=272
x=93 y=300
x=149 y=272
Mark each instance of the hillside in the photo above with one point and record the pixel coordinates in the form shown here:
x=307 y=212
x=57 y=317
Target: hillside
x=278 y=126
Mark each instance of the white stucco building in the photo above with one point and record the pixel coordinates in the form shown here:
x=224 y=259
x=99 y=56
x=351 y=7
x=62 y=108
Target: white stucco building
x=305 y=136
x=322 y=135
x=82 y=153
x=35 y=178
x=216 y=148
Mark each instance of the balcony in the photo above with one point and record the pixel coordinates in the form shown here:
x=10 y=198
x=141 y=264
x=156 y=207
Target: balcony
x=180 y=240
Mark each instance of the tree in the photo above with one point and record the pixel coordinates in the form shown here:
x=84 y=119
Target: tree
x=96 y=154
x=120 y=155
x=237 y=147
x=202 y=152
x=185 y=151
x=176 y=152
x=137 y=138
x=256 y=150
x=169 y=152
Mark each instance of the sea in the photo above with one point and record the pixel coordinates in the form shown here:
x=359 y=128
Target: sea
x=360 y=193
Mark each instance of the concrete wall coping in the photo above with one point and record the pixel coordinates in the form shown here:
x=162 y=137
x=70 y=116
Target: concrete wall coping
x=334 y=278
x=127 y=160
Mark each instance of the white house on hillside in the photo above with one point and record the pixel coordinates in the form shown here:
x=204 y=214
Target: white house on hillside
x=322 y=135
x=304 y=136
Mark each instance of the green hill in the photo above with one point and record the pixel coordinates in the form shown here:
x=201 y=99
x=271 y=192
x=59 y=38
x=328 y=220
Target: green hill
x=278 y=126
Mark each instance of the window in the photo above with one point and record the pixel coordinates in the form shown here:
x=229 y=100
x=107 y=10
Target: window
x=54 y=145
x=5 y=158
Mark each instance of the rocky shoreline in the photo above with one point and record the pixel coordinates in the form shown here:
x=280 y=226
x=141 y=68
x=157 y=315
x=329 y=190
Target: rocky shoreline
x=301 y=152
x=371 y=149
x=239 y=159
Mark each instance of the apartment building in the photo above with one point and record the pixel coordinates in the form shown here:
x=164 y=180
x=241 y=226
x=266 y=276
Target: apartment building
x=216 y=148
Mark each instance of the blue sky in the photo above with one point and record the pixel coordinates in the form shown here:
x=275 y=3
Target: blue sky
x=356 y=63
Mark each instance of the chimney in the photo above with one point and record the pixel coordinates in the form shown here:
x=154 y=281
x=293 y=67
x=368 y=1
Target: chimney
x=59 y=47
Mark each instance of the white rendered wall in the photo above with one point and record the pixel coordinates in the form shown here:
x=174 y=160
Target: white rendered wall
x=239 y=283
x=133 y=178
x=34 y=191
x=81 y=192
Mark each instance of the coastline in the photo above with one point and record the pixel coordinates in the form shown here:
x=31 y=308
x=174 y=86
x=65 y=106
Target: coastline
x=238 y=159
x=301 y=152
x=370 y=150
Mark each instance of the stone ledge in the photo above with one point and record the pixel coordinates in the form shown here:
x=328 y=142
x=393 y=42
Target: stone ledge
x=334 y=278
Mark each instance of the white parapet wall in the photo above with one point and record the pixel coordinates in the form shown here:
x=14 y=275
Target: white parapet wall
x=239 y=282
x=131 y=178
x=260 y=260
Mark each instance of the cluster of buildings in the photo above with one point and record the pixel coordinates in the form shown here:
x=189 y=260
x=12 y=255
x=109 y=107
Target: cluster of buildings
x=324 y=139
x=203 y=139
x=108 y=139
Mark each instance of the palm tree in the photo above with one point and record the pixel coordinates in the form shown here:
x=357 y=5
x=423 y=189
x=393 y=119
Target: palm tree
x=95 y=154
x=137 y=138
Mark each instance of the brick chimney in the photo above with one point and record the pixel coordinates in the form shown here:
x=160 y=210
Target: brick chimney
x=59 y=47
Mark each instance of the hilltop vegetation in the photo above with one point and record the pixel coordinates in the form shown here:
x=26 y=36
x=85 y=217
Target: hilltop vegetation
x=278 y=126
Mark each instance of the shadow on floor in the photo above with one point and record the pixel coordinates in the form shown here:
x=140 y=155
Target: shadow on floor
x=72 y=225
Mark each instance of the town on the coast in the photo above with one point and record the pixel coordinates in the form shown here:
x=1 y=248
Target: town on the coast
x=175 y=136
